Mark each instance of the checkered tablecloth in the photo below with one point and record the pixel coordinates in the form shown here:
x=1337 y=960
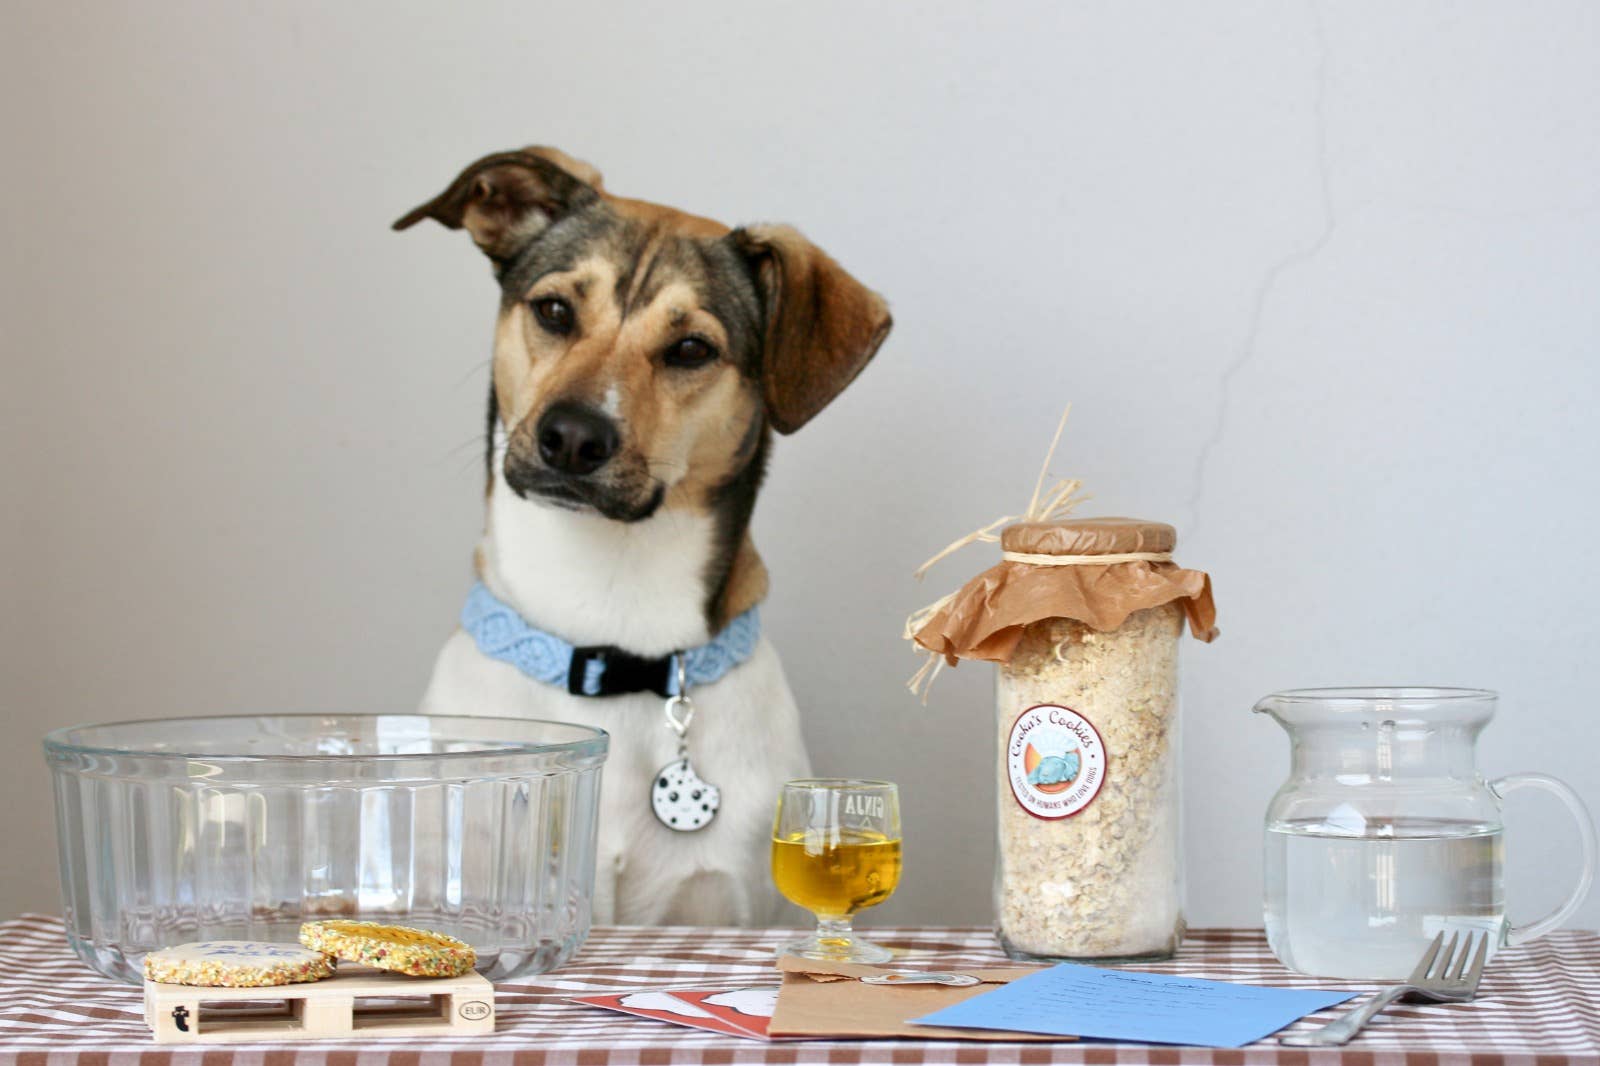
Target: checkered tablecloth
x=1539 y=1006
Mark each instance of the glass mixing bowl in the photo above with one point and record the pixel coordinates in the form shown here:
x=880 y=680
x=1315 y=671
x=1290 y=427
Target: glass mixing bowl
x=240 y=828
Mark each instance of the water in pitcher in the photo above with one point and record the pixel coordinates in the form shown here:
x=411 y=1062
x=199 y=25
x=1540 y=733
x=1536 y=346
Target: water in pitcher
x=1368 y=905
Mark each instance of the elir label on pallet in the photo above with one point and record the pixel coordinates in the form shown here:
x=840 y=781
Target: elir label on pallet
x=355 y=1002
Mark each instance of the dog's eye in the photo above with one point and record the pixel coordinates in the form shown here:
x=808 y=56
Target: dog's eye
x=690 y=352
x=554 y=314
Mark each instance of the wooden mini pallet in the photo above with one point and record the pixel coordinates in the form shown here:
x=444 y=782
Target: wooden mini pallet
x=356 y=1002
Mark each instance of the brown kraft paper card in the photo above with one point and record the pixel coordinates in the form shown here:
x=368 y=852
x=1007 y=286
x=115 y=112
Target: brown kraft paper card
x=827 y=999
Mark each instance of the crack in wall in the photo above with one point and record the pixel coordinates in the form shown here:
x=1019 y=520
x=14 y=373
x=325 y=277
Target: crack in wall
x=1275 y=273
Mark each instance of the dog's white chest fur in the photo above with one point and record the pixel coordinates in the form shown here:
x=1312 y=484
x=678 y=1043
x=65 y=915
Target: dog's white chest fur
x=639 y=586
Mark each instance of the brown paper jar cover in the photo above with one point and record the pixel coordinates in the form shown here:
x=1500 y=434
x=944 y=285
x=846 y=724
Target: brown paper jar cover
x=985 y=618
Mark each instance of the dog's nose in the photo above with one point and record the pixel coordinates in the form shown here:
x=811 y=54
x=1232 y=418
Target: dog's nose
x=576 y=439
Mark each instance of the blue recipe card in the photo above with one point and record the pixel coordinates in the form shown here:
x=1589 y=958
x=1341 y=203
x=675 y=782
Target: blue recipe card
x=1151 y=1008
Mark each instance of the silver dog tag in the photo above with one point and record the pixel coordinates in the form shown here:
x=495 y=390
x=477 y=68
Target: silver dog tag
x=680 y=798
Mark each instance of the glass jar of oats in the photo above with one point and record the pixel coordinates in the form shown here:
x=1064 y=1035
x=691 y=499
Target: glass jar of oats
x=1083 y=618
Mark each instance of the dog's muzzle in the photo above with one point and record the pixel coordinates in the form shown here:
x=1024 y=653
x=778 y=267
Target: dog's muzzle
x=573 y=459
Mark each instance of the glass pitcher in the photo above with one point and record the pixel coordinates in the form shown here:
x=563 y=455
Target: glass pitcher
x=1385 y=833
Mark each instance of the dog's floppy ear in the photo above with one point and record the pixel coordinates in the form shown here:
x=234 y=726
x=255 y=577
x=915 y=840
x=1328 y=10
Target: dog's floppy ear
x=822 y=325
x=506 y=199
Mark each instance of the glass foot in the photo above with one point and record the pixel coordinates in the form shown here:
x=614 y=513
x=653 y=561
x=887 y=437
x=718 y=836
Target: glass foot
x=828 y=946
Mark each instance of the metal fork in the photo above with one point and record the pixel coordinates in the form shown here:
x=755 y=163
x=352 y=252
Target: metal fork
x=1447 y=976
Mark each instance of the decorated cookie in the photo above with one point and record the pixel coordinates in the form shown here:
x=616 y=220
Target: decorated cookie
x=417 y=952
x=681 y=800
x=236 y=964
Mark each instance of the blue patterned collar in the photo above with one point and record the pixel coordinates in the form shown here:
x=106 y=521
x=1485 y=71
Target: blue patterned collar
x=501 y=633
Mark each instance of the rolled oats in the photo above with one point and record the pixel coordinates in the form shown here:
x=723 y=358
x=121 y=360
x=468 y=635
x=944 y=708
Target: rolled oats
x=1104 y=880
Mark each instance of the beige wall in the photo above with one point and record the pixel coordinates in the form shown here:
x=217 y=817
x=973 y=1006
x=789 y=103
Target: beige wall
x=1320 y=281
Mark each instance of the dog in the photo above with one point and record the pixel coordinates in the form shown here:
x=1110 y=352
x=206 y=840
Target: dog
x=643 y=357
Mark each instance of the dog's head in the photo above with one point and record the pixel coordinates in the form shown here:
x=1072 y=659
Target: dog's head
x=641 y=353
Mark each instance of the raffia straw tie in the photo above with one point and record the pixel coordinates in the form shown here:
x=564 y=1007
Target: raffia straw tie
x=1086 y=560
x=1044 y=506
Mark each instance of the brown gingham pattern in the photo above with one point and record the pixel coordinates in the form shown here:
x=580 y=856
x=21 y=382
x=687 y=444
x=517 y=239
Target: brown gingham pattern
x=1539 y=1006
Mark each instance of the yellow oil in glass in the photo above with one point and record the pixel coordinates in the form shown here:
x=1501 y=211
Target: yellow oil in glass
x=835 y=874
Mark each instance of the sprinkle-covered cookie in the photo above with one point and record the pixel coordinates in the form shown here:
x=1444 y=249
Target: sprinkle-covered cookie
x=236 y=964
x=417 y=952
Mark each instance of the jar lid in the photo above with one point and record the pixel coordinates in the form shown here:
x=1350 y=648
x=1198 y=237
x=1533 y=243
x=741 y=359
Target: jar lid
x=1088 y=536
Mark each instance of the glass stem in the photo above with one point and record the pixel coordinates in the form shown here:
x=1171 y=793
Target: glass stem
x=834 y=931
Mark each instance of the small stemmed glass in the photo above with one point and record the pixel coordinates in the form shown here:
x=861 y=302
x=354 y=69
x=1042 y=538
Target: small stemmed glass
x=835 y=852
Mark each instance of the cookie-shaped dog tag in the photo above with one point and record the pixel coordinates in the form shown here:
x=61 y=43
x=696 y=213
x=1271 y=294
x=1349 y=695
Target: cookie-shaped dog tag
x=681 y=800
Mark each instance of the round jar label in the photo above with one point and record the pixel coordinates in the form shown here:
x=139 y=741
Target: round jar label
x=1055 y=760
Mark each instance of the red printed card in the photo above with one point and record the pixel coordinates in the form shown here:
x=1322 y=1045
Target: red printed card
x=742 y=1012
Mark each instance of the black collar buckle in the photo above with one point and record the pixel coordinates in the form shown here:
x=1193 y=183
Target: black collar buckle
x=603 y=670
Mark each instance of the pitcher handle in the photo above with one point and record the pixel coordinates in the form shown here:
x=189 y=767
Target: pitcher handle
x=1521 y=934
